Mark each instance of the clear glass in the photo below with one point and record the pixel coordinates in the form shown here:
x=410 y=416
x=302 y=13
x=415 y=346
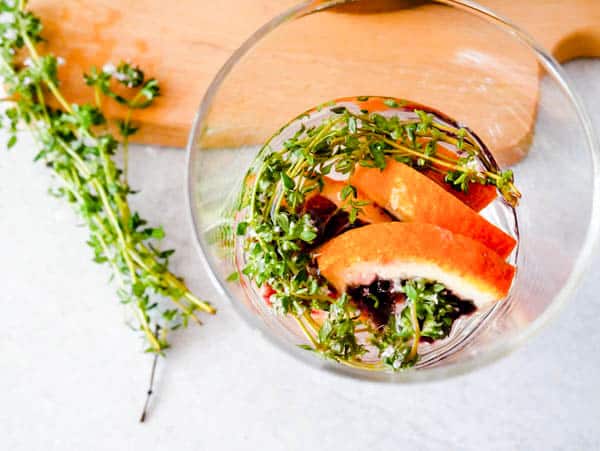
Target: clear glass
x=479 y=69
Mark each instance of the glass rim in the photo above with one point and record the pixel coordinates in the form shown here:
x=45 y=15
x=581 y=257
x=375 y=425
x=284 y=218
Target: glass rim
x=494 y=352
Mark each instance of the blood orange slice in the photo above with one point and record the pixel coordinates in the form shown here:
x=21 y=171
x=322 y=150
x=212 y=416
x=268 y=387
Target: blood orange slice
x=413 y=197
x=477 y=197
x=399 y=251
x=371 y=213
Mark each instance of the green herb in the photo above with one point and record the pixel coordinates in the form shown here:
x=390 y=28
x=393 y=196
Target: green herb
x=429 y=312
x=279 y=234
x=337 y=336
x=76 y=144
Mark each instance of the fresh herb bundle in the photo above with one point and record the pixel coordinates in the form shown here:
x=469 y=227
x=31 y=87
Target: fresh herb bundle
x=278 y=233
x=76 y=143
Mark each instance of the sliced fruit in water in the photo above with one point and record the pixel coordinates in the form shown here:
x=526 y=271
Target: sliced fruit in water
x=401 y=250
x=330 y=213
x=413 y=197
x=477 y=197
x=371 y=213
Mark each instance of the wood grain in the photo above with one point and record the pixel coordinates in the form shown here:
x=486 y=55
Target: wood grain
x=462 y=71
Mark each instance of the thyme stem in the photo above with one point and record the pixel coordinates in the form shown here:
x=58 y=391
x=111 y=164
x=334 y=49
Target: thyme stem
x=150 y=390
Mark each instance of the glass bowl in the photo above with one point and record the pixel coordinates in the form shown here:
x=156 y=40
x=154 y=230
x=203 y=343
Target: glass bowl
x=479 y=69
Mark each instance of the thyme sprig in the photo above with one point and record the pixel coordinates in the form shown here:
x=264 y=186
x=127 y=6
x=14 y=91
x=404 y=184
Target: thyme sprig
x=429 y=314
x=278 y=234
x=75 y=142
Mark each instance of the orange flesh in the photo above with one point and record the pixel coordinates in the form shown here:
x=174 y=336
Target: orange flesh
x=413 y=197
x=374 y=104
x=477 y=197
x=359 y=255
x=370 y=213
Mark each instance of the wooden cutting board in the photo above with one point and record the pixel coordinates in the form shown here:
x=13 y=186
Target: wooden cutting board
x=184 y=43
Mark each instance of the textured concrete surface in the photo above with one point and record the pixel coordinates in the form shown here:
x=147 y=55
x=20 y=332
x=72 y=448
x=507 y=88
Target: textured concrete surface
x=73 y=375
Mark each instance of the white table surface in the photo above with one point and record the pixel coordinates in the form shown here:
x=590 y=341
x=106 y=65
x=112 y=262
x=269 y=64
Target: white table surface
x=73 y=377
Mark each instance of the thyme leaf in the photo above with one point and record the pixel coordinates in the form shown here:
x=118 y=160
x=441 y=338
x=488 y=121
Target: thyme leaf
x=75 y=143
